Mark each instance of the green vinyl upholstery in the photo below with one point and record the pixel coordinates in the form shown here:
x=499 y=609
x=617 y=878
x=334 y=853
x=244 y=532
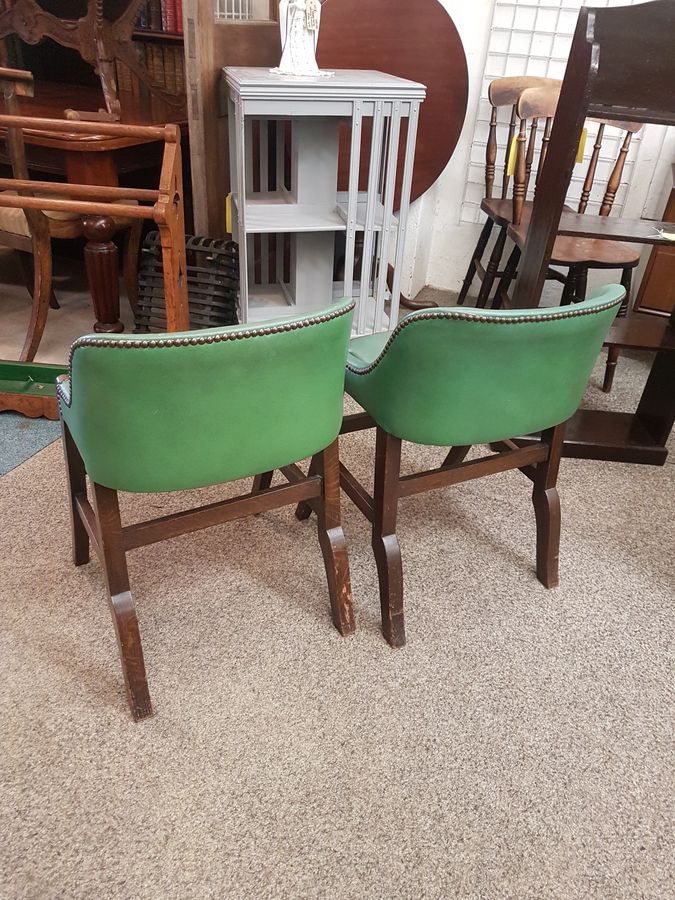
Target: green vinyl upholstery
x=178 y=411
x=460 y=376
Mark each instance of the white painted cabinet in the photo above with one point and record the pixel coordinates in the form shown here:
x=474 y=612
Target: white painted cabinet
x=303 y=242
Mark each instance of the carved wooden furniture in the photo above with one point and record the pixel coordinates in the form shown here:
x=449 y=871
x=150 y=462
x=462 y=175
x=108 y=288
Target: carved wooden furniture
x=100 y=207
x=288 y=213
x=101 y=42
x=224 y=418
x=30 y=231
x=505 y=209
x=457 y=378
x=621 y=68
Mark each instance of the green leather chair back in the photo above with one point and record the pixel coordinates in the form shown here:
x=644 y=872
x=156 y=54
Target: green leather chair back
x=174 y=411
x=460 y=376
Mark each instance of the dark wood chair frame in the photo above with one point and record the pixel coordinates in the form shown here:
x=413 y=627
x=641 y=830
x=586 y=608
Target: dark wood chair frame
x=539 y=463
x=97 y=523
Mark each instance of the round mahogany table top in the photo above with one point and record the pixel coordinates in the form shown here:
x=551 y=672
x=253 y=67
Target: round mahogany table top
x=414 y=39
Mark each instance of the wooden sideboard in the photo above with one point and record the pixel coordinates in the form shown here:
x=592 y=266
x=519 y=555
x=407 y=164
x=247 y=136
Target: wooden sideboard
x=657 y=291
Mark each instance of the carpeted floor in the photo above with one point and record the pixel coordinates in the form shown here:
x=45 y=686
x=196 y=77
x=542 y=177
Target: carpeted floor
x=520 y=746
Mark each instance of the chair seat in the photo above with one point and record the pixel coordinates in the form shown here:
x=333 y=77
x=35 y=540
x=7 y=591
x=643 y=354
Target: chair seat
x=501 y=211
x=571 y=251
x=364 y=350
x=61 y=224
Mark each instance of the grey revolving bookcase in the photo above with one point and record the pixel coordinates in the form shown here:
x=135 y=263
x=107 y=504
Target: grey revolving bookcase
x=303 y=241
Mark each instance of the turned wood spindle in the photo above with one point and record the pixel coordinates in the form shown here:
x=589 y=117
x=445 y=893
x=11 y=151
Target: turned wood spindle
x=615 y=177
x=491 y=155
x=100 y=256
x=512 y=130
x=519 y=185
x=592 y=167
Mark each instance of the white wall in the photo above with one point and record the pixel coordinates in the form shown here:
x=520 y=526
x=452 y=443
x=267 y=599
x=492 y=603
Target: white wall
x=439 y=247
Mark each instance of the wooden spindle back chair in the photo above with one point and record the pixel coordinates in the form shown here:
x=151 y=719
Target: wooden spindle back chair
x=576 y=256
x=500 y=210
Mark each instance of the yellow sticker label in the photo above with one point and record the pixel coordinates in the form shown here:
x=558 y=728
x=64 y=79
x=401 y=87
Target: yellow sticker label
x=582 y=146
x=228 y=214
x=513 y=156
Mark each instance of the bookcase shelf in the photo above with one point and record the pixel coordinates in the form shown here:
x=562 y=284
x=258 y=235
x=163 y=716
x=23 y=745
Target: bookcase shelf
x=143 y=34
x=302 y=242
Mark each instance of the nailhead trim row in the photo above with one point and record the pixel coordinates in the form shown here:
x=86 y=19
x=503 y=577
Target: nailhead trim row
x=485 y=320
x=199 y=340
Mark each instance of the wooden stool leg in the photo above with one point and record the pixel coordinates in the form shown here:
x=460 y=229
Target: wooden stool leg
x=492 y=269
x=510 y=272
x=332 y=541
x=476 y=256
x=42 y=292
x=100 y=256
x=122 y=605
x=385 y=543
x=304 y=510
x=77 y=484
x=456 y=455
x=546 y=503
x=570 y=286
x=262 y=482
x=613 y=354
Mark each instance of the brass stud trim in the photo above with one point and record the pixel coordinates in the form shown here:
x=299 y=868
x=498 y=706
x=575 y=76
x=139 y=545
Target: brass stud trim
x=482 y=319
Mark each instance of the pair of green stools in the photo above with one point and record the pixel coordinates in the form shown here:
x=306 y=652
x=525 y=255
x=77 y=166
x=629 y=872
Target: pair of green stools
x=182 y=411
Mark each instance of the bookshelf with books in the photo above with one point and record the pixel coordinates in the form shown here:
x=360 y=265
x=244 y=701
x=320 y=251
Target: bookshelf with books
x=158 y=44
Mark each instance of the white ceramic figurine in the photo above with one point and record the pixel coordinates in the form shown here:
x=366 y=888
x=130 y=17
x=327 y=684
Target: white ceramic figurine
x=299 y=21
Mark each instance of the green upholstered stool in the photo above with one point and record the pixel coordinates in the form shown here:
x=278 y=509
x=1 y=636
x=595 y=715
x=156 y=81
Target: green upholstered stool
x=180 y=411
x=460 y=377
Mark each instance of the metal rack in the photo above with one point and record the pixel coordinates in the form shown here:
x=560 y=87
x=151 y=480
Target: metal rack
x=304 y=238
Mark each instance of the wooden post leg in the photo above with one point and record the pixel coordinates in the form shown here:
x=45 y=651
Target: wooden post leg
x=476 y=256
x=77 y=484
x=385 y=543
x=570 y=286
x=613 y=354
x=546 y=503
x=100 y=256
x=332 y=541
x=304 y=510
x=122 y=605
x=491 y=269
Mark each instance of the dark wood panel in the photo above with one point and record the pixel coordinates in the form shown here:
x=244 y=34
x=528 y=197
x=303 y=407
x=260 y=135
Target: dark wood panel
x=657 y=291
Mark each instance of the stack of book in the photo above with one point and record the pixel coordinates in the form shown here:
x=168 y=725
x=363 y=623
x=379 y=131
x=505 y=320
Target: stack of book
x=162 y=15
x=166 y=65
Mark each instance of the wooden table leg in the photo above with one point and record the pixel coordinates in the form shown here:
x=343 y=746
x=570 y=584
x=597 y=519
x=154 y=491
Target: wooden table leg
x=100 y=256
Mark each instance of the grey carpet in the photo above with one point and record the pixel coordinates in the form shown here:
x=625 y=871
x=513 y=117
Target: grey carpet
x=520 y=746
x=21 y=437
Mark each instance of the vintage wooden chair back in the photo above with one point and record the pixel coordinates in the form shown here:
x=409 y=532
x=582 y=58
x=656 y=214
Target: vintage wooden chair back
x=532 y=100
x=523 y=166
x=621 y=69
x=498 y=206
